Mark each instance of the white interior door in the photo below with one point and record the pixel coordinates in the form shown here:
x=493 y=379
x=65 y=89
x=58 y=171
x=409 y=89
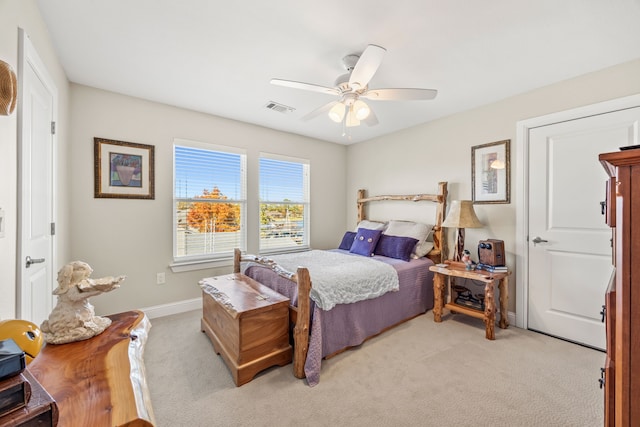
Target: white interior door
x=38 y=98
x=570 y=255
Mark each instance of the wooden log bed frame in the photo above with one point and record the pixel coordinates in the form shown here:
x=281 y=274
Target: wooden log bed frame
x=300 y=315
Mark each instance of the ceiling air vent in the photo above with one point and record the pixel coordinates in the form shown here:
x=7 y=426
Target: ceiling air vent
x=280 y=108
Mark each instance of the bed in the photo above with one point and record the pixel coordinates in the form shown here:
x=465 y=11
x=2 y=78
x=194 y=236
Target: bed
x=323 y=326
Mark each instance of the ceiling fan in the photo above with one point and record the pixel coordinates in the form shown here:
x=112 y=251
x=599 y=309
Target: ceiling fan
x=351 y=88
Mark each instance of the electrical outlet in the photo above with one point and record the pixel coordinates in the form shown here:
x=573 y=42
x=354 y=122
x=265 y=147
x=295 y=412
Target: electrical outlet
x=160 y=279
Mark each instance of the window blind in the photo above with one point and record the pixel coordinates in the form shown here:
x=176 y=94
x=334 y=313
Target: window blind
x=284 y=203
x=209 y=201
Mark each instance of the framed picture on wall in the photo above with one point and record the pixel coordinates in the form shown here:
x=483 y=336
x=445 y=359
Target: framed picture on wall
x=123 y=170
x=491 y=172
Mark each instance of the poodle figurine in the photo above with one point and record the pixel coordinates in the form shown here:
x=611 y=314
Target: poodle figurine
x=73 y=318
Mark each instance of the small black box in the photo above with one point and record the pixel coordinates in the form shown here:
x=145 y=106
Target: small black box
x=491 y=252
x=12 y=360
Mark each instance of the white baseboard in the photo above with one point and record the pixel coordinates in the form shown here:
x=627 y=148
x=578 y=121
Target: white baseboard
x=511 y=316
x=173 y=308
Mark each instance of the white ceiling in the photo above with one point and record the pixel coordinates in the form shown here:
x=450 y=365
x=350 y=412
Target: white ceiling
x=218 y=57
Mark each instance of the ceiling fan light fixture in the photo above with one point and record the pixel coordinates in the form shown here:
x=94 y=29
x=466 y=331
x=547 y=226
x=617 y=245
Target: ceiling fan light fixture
x=352 y=120
x=347 y=108
x=336 y=113
x=361 y=110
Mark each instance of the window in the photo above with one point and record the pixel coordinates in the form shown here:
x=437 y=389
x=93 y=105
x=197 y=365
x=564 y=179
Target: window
x=284 y=203
x=209 y=201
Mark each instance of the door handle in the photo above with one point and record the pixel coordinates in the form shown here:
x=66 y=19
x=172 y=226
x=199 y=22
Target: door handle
x=539 y=240
x=30 y=261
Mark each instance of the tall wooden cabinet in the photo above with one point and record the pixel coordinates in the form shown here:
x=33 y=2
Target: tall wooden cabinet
x=622 y=364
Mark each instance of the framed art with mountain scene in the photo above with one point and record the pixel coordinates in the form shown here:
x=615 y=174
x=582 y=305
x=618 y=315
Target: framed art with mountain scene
x=123 y=170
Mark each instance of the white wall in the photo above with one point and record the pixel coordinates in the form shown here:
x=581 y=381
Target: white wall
x=25 y=14
x=414 y=160
x=134 y=237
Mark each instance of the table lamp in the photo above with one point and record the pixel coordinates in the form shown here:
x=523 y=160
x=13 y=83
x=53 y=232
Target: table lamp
x=461 y=215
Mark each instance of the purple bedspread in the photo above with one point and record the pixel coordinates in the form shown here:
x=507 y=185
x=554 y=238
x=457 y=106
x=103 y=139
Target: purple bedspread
x=348 y=325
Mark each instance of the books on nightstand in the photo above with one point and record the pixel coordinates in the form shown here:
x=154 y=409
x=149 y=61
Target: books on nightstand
x=12 y=359
x=492 y=268
x=23 y=401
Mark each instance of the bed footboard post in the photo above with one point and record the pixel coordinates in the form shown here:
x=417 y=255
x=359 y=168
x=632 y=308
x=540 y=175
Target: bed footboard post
x=301 y=330
x=236 y=260
x=440 y=213
x=361 y=214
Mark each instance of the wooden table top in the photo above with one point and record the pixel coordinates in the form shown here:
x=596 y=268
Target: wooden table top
x=93 y=382
x=458 y=269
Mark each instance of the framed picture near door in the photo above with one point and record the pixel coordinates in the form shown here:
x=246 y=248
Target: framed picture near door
x=123 y=170
x=491 y=172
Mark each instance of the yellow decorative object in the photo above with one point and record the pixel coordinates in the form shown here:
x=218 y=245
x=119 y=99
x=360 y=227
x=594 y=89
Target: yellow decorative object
x=26 y=334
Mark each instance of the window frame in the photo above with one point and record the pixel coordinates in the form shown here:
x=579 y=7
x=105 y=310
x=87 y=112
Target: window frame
x=306 y=203
x=193 y=262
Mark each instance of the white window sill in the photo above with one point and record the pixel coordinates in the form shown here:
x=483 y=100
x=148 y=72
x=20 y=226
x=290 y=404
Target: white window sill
x=285 y=250
x=203 y=264
x=182 y=266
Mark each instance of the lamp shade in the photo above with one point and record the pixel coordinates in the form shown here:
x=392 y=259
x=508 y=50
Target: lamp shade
x=337 y=112
x=361 y=110
x=352 y=120
x=462 y=215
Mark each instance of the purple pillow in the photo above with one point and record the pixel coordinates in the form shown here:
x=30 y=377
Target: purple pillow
x=347 y=240
x=396 y=247
x=365 y=241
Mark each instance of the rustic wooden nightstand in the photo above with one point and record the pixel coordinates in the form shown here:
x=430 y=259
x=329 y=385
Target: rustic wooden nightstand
x=441 y=287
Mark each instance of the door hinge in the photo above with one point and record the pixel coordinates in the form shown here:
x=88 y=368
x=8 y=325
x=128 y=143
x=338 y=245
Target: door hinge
x=53 y=128
x=53 y=228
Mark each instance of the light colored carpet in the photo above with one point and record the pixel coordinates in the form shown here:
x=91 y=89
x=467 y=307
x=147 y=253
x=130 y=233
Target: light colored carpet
x=420 y=373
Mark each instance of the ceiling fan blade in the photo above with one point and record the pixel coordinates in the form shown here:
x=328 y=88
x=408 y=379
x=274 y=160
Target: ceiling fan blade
x=366 y=66
x=400 y=94
x=305 y=86
x=319 y=111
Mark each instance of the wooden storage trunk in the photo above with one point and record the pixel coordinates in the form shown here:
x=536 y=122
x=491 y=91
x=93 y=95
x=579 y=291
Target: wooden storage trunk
x=248 y=324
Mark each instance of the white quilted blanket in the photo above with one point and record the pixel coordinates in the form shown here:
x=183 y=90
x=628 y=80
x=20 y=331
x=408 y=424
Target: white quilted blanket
x=339 y=278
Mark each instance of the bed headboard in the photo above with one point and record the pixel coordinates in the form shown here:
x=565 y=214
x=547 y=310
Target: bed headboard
x=438 y=253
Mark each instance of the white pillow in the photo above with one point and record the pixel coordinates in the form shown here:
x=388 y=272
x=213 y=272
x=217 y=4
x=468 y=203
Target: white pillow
x=417 y=230
x=371 y=225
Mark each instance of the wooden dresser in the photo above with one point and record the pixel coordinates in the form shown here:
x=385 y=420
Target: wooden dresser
x=99 y=382
x=621 y=375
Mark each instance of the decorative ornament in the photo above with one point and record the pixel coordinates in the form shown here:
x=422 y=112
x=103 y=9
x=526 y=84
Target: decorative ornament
x=73 y=318
x=8 y=89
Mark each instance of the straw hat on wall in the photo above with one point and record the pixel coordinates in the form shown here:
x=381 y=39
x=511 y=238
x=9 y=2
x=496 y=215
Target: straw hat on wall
x=8 y=89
